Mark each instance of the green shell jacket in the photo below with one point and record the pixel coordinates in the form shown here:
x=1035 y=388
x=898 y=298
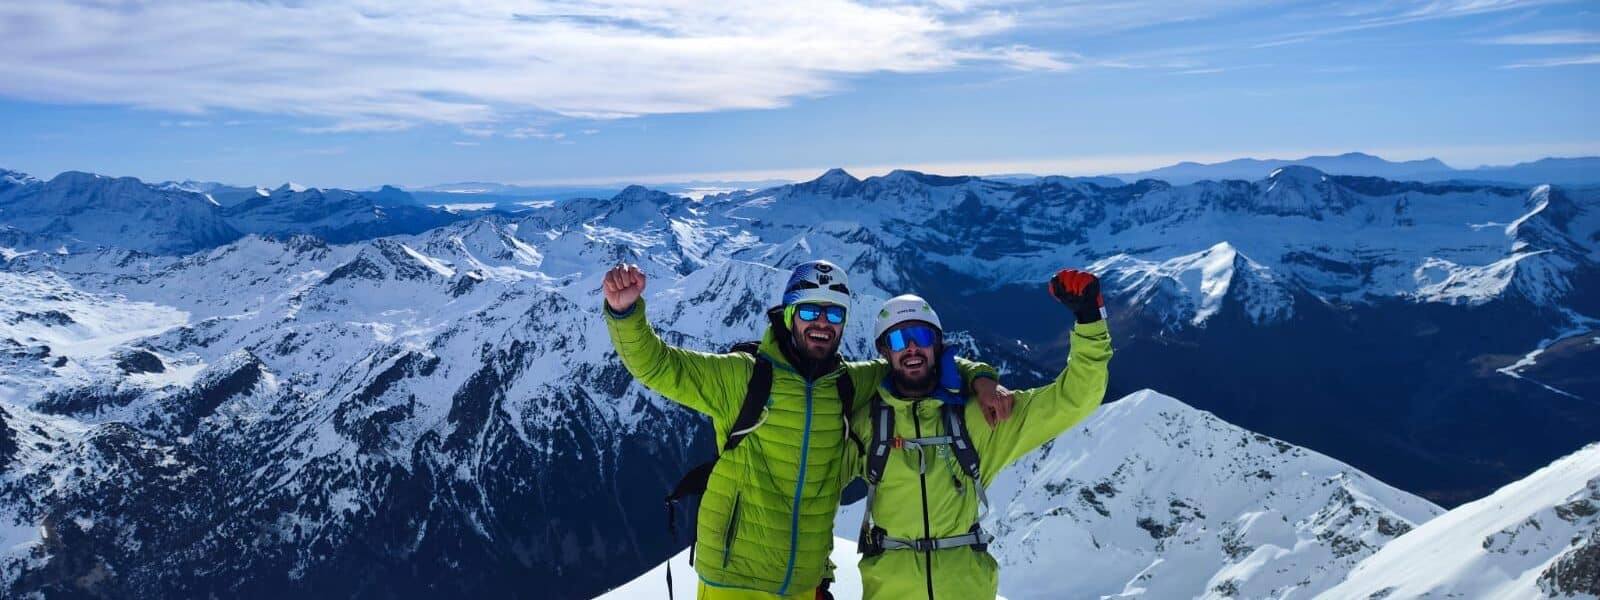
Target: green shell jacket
x=766 y=519
x=951 y=506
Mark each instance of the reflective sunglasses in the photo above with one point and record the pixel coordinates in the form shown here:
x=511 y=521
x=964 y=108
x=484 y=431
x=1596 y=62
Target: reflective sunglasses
x=921 y=335
x=811 y=312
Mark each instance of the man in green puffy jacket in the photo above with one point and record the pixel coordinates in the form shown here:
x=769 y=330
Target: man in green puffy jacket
x=920 y=534
x=765 y=524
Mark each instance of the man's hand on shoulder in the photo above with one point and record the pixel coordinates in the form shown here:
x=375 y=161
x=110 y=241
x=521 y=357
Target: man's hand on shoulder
x=994 y=399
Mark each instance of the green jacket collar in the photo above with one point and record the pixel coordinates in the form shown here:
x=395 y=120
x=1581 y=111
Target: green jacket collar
x=887 y=390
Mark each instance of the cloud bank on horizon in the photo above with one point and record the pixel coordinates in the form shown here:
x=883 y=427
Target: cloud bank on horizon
x=502 y=84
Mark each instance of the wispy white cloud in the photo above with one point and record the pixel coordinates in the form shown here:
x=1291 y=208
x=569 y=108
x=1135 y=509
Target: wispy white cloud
x=1215 y=70
x=366 y=65
x=465 y=143
x=535 y=133
x=1390 y=14
x=1560 y=61
x=1099 y=16
x=1549 y=38
x=360 y=125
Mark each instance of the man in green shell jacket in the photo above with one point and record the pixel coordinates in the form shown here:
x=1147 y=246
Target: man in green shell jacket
x=765 y=524
x=921 y=537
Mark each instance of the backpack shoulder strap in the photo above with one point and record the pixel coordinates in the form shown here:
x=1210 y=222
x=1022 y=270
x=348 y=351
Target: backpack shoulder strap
x=955 y=426
x=847 y=404
x=882 y=440
x=877 y=458
x=752 y=347
x=752 y=412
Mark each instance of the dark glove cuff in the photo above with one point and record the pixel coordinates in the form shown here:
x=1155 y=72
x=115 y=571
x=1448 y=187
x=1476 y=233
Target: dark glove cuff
x=1088 y=315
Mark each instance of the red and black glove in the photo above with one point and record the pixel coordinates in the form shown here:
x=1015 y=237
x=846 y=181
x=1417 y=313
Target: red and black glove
x=1080 y=291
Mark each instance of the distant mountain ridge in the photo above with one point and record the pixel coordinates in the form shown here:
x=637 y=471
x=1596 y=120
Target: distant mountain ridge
x=82 y=211
x=1561 y=171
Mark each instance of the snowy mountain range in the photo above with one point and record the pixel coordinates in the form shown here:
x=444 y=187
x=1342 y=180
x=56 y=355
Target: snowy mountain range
x=440 y=412
x=1562 y=171
x=81 y=211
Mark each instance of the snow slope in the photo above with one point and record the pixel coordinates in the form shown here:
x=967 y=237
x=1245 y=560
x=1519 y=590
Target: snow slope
x=1151 y=498
x=1535 y=538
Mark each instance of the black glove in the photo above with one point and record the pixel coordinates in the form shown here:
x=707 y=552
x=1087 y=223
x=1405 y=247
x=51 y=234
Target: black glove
x=1080 y=292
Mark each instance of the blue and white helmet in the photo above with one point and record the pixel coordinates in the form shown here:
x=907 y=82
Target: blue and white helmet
x=817 y=281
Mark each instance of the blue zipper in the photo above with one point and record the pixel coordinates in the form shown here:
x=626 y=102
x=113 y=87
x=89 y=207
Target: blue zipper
x=799 y=486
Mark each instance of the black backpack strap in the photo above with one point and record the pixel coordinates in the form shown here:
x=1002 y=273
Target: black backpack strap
x=955 y=426
x=847 y=404
x=870 y=541
x=753 y=411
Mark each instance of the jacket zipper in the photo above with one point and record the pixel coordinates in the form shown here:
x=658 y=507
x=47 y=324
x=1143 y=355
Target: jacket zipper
x=799 y=487
x=927 y=531
x=733 y=525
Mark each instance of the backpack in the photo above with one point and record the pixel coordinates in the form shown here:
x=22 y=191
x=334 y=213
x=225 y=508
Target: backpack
x=752 y=413
x=874 y=540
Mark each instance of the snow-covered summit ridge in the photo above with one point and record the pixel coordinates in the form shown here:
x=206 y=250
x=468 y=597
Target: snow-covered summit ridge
x=1149 y=496
x=1538 y=537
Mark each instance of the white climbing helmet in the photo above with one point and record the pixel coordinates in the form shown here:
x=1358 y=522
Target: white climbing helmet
x=900 y=309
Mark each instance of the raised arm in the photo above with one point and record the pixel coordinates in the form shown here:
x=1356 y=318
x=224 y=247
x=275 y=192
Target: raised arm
x=1045 y=412
x=712 y=384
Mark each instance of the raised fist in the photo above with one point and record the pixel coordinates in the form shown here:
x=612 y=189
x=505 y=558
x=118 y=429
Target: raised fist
x=1080 y=291
x=623 y=285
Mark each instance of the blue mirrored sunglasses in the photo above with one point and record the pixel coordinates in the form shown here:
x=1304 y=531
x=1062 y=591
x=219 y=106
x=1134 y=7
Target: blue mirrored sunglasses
x=811 y=312
x=920 y=335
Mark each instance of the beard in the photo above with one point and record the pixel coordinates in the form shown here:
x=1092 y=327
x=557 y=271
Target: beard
x=908 y=384
x=819 y=354
x=811 y=351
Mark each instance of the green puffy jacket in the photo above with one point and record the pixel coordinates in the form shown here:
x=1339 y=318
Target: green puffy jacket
x=898 y=507
x=766 y=519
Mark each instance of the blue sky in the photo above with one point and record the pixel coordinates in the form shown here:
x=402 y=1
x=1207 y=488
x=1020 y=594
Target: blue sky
x=355 y=93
